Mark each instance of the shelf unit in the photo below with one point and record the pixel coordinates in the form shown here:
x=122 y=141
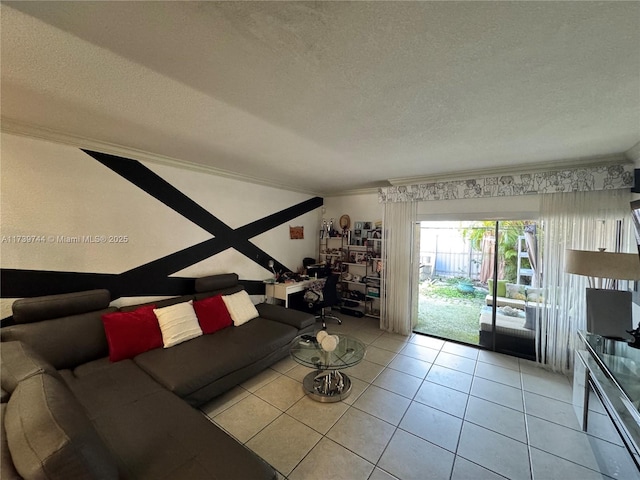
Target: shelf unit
x=373 y=289
x=355 y=258
x=331 y=250
x=353 y=288
x=360 y=279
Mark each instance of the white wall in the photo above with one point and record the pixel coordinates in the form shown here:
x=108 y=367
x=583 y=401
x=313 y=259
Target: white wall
x=51 y=191
x=363 y=207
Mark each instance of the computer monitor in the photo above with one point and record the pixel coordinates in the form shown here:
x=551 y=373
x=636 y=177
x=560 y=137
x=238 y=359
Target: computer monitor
x=318 y=271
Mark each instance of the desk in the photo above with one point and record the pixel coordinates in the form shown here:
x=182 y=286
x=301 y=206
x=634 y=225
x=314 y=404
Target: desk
x=281 y=291
x=611 y=368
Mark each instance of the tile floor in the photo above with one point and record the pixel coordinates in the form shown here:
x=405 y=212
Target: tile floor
x=422 y=408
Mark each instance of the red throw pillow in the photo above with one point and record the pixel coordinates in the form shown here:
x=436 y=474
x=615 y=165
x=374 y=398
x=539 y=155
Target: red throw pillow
x=212 y=314
x=132 y=333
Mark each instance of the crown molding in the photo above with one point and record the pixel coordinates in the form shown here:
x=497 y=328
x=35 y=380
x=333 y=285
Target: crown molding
x=355 y=191
x=585 y=162
x=15 y=127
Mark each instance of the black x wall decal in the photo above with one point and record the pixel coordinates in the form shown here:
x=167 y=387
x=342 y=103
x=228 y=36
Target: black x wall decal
x=153 y=278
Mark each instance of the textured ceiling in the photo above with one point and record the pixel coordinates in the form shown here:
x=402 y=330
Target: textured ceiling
x=329 y=96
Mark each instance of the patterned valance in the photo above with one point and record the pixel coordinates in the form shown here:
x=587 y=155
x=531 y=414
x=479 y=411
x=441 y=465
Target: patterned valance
x=568 y=180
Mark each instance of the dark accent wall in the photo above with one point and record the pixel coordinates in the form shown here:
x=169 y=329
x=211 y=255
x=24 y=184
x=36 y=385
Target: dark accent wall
x=153 y=278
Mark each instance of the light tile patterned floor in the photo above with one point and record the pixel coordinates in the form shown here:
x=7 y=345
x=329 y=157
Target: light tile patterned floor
x=422 y=408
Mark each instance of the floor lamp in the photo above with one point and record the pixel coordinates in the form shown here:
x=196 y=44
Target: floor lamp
x=608 y=310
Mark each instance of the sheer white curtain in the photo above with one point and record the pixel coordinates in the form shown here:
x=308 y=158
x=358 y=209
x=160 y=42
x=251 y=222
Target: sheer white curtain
x=576 y=220
x=396 y=304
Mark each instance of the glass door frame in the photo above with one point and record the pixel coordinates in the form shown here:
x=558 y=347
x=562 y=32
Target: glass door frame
x=497 y=231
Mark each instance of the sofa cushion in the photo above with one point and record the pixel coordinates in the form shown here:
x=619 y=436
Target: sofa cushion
x=166 y=439
x=7 y=469
x=515 y=291
x=35 y=309
x=109 y=385
x=178 y=323
x=193 y=365
x=152 y=434
x=50 y=436
x=64 y=342
x=131 y=333
x=531 y=314
x=165 y=302
x=295 y=318
x=502 y=287
x=216 y=282
x=240 y=307
x=20 y=362
x=534 y=294
x=212 y=314
x=222 y=291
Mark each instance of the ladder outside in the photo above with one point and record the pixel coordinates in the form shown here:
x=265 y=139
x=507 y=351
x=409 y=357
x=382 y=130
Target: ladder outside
x=523 y=253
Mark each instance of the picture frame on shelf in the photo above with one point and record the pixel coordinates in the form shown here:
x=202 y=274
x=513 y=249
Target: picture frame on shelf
x=357 y=232
x=366 y=226
x=357 y=225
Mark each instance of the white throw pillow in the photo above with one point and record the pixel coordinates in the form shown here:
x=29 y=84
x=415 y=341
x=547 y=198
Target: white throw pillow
x=178 y=323
x=240 y=307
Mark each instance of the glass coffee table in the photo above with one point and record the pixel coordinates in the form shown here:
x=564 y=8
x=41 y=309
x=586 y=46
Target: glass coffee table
x=327 y=383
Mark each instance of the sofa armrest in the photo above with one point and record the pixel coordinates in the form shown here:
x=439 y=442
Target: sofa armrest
x=6 y=464
x=278 y=313
x=18 y=361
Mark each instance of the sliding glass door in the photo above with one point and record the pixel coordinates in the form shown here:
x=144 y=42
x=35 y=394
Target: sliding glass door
x=458 y=263
x=451 y=293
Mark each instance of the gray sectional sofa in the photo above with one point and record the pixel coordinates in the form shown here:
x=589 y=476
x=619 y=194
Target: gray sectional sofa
x=70 y=413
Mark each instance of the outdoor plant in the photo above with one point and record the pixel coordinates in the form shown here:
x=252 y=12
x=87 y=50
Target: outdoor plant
x=448 y=288
x=507 y=242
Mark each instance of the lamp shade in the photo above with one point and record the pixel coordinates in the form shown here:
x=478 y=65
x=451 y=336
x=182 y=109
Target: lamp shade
x=613 y=265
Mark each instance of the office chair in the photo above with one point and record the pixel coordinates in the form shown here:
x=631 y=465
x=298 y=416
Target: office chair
x=330 y=298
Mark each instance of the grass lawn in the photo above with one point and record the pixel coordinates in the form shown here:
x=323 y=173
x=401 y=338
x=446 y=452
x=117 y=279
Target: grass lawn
x=445 y=312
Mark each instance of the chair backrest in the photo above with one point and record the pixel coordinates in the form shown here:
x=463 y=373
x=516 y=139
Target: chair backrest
x=330 y=290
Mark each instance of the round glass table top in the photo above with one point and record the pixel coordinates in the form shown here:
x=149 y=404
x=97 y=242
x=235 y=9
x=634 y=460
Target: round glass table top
x=307 y=351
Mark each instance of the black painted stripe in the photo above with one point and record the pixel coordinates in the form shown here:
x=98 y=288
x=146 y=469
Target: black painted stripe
x=153 y=278
x=156 y=186
x=30 y=283
x=150 y=182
